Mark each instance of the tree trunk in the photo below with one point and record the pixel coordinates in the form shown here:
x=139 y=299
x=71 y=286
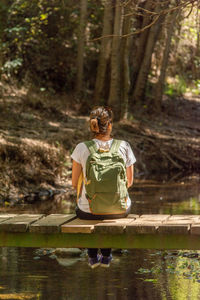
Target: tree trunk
x=81 y=42
x=114 y=93
x=125 y=71
x=142 y=41
x=197 y=50
x=4 y=7
x=140 y=86
x=161 y=81
x=105 y=51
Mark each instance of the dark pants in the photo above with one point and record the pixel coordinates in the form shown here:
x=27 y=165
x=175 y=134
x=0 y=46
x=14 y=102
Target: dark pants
x=87 y=216
x=92 y=252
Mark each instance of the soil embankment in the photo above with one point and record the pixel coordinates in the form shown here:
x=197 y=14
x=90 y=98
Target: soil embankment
x=38 y=133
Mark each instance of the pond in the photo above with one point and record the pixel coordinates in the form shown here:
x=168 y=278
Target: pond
x=29 y=273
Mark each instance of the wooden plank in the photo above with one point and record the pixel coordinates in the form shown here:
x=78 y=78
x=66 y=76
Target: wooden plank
x=154 y=217
x=146 y=224
x=132 y=216
x=19 y=223
x=51 y=223
x=114 y=226
x=88 y=226
x=174 y=228
x=80 y=226
x=142 y=227
x=188 y=218
x=4 y=217
x=177 y=221
x=178 y=224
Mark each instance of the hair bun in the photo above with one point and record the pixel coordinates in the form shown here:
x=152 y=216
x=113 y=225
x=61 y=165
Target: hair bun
x=94 y=125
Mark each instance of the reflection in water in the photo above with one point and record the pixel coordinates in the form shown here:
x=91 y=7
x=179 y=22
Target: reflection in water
x=134 y=274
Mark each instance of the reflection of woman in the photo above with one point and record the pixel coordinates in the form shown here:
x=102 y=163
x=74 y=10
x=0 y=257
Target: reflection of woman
x=101 y=126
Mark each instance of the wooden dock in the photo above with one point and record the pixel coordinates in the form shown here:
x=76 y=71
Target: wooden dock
x=63 y=230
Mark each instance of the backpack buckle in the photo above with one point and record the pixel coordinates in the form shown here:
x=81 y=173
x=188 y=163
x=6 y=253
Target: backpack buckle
x=101 y=150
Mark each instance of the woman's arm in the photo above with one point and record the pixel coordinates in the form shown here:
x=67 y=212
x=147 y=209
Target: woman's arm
x=130 y=175
x=76 y=171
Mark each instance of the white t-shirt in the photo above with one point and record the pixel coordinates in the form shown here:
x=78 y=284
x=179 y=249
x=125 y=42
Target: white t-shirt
x=80 y=155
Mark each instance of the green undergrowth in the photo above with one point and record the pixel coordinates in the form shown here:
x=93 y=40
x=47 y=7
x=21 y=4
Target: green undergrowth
x=184 y=264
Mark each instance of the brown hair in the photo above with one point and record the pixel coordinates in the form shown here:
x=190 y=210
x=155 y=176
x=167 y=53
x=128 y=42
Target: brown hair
x=100 y=118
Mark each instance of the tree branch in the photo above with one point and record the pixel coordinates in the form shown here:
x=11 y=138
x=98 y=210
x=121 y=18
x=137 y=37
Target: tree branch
x=164 y=11
x=129 y=34
x=156 y=16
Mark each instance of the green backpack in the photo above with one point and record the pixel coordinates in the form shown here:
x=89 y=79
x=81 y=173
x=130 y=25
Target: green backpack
x=106 y=180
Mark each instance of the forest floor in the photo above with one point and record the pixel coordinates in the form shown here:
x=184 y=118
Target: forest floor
x=38 y=133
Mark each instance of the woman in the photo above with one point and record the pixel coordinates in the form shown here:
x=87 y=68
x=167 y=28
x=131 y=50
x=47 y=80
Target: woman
x=101 y=119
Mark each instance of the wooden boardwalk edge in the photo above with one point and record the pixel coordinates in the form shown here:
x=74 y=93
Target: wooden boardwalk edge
x=65 y=230
x=95 y=240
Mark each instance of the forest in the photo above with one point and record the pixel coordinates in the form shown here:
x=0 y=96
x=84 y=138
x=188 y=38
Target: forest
x=60 y=58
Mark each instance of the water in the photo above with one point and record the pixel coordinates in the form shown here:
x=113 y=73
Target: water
x=28 y=273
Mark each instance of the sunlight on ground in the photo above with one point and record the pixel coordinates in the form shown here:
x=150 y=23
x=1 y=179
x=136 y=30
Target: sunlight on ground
x=17 y=296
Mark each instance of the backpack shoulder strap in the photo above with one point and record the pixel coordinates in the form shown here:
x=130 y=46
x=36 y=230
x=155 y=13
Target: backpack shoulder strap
x=91 y=145
x=115 y=146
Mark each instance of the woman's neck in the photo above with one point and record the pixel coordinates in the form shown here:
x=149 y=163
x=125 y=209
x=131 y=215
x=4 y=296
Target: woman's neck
x=103 y=137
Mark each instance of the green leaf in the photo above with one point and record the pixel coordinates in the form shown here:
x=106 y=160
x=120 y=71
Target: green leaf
x=43 y=17
x=151 y=280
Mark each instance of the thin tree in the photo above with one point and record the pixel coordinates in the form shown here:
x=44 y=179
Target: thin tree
x=81 y=43
x=125 y=65
x=170 y=24
x=141 y=44
x=141 y=83
x=197 y=51
x=114 y=93
x=105 y=51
